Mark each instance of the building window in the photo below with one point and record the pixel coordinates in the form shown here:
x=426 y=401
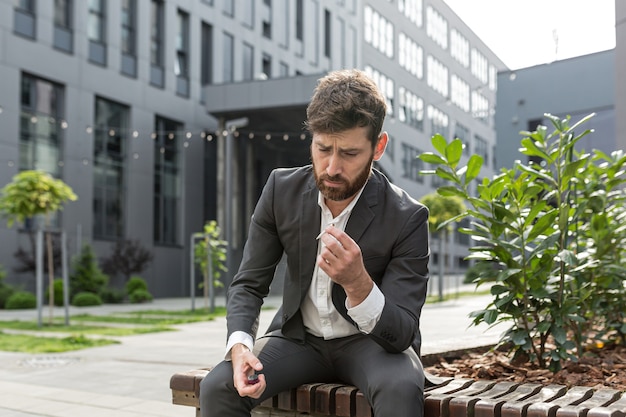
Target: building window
x=229 y=8
x=129 y=37
x=181 y=65
x=299 y=20
x=267 y=65
x=378 y=31
x=327 y=33
x=157 y=34
x=206 y=70
x=411 y=164
x=63 y=35
x=167 y=181
x=386 y=86
x=412 y=9
x=437 y=76
x=410 y=56
x=437 y=27
x=228 y=58
x=439 y=121
x=41 y=125
x=462 y=133
x=481 y=148
x=247 y=12
x=24 y=23
x=480 y=106
x=411 y=109
x=110 y=139
x=460 y=93
x=96 y=23
x=283 y=69
x=459 y=48
x=248 y=62
x=282 y=30
x=479 y=66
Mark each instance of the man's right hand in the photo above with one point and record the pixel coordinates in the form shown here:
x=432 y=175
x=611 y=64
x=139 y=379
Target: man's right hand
x=245 y=363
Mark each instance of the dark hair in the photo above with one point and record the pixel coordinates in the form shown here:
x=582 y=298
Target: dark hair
x=346 y=99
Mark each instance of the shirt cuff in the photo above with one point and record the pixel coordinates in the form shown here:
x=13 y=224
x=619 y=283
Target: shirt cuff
x=368 y=312
x=238 y=337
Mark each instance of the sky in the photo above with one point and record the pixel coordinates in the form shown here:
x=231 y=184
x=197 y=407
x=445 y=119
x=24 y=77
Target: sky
x=524 y=33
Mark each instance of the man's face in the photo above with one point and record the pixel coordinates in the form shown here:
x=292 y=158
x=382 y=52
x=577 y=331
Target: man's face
x=342 y=162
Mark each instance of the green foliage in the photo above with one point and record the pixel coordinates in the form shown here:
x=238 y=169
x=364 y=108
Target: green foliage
x=84 y=299
x=112 y=295
x=6 y=290
x=139 y=296
x=217 y=249
x=32 y=193
x=137 y=290
x=86 y=275
x=127 y=257
x=58 y=292
x=136 y=283
x=442 y=210
x=21 y=300
x=554 y=231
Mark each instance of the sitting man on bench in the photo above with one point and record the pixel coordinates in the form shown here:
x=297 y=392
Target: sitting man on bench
x=357 y=268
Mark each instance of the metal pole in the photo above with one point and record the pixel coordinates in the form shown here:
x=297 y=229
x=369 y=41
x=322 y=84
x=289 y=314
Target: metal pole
x=231 y=126
x=66 y=281
x=39 y=274
x=192 y=272
x=209 y=268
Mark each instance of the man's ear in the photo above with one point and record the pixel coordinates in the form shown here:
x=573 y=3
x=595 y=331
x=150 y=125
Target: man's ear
x=380 y=146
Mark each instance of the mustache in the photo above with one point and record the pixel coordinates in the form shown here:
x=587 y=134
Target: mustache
x=334 y=178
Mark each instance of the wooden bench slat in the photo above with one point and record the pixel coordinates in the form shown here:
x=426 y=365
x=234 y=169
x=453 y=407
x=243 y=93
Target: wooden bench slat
x=490 y=407
x=600 y=398
x=518 y=408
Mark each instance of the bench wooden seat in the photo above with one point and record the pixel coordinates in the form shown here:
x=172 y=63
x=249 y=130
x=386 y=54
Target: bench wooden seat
x=444 y=397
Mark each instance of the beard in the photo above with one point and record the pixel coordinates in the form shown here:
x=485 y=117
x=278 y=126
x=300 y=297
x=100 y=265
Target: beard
x=347 y=189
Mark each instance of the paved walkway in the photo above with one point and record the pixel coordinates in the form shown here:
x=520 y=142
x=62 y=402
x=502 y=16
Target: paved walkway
x=131 y=379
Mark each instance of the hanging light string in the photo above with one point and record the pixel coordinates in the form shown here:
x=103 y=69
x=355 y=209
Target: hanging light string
x=152 y=134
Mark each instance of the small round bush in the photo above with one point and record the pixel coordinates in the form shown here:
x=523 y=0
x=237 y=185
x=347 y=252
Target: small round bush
x=5 y=293
x=112 y=295
x=84 y=299
x=136 y=283
x=20 y=300
x=58 y=292
x=139 y=296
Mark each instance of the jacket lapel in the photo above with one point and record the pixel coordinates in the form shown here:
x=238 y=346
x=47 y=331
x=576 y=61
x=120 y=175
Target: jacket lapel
x=309 y=228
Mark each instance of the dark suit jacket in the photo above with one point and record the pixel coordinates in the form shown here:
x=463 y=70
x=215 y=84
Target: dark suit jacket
x=388 y=225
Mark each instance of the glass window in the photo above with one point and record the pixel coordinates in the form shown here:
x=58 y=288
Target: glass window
x=42 y=125
x=62 y=13
x=437 y=76
x=439 y=121
x=248 y=62
x=26 y=5
x=378 y=31
x=386 y=86
x=460 y=95
x=129 y=27
x=181 y=65
x=327 y=33
x=247 y=12
x=229 y=7
x=411 y=109
x=157 y=34
x=299 y=20
x=228 y=58
x=412 y=9
x=411 y=164
x=459 y=48
x=111 y=129
x=267 y=65
x=437 y=27
x=410 y=56
x=95 y=21
x=206 y=70
x=167 y=181
x=479 y=66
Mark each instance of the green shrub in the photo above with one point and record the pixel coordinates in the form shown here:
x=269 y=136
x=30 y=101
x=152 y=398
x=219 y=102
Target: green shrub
x=136 y=283
x=58 y=292
x=6 y=290
x=113 y=295
x=139 y=296
x=20 y=300
x=84 y=299
x=87 y=275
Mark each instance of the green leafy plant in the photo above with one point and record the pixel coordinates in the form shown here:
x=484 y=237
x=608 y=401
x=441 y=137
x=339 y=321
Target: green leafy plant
x=30 y=194
x=541 y=227
x=6 y=290
x=58 y=292
x=84 y=299
x=128 y=257
x=137 y=290
x=139 y=296
x=21 y=300
x=214 y=248
x=86 y=275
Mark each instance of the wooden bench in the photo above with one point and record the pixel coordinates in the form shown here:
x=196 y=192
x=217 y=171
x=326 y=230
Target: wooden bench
x=444 y=397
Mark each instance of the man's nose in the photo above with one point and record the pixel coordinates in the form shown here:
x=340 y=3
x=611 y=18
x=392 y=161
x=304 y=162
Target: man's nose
x=334 y=165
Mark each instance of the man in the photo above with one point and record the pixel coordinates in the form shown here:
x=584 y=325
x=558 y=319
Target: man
x=357 y=268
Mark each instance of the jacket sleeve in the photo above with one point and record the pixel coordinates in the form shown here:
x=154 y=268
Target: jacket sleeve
x=262 y=252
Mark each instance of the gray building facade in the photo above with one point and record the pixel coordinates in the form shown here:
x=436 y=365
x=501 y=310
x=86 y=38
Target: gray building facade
x=128 y=101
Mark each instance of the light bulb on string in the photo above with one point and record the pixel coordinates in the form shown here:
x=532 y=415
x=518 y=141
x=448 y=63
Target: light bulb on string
x=268 y=136
x=285 y=137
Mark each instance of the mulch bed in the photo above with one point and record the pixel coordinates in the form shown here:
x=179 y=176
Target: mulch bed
x=598 y=368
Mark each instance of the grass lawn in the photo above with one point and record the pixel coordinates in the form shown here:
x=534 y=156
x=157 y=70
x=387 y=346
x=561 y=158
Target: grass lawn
x=32 y=339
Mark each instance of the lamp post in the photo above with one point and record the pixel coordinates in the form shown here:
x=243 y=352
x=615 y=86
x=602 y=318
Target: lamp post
x=231 y=126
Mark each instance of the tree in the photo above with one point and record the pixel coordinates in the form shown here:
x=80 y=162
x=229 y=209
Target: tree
x=128 y=257
x=34 y=193
x=441 y=211
x=214 y=247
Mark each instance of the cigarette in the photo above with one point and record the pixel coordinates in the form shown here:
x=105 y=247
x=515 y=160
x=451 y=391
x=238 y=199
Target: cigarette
x=323 y=231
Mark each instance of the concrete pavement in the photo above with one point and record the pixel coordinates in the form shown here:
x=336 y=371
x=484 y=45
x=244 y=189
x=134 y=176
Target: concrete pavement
x=131 y=379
